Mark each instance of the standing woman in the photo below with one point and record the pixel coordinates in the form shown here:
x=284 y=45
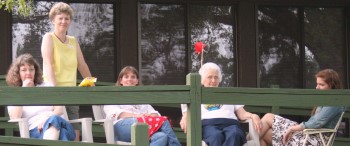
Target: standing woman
x=281 y=131
x=62 y=55
x=45 y=122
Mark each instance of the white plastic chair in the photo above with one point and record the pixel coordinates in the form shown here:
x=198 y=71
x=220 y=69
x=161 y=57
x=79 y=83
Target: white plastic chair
x=321 y=132
x=252 y=137
x=100 y=117
x=86 y=126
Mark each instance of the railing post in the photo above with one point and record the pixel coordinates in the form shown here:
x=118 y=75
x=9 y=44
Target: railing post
x=194 y=126
x=275 y=110
x=139 y=134
x=8 y=131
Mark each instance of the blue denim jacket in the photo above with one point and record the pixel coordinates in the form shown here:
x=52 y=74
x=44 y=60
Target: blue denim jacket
x=324 y=117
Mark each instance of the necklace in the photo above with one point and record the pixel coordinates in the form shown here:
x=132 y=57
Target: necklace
x=60 y=39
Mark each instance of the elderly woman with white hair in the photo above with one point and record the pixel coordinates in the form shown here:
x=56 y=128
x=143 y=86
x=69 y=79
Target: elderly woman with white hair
x=220 y=122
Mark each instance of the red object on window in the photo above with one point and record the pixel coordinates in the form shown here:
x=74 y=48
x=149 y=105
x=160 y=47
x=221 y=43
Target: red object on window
x=199 y=46
x=154 y=123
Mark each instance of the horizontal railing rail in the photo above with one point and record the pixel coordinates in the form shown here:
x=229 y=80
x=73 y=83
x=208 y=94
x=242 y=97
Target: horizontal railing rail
x=193 y=94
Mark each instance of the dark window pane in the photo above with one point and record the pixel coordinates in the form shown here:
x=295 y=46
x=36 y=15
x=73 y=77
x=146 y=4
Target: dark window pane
x=324 y=42
x=215 y=27
x=92 y=25
x=279 y=51
x=163 y=54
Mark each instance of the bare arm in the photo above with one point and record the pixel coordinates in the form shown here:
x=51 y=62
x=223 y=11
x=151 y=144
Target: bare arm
x=152 y=115
x=183 y=122
x=82 y=66
x=16 y=112
x=242 y=114
x=58 y=110
x=128 y=115
x=290 y=131
x=47 y=54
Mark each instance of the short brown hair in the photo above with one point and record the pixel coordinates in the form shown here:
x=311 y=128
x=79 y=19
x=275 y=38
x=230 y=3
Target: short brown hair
x=59 y=8
x=124 y=71
x=13 y=77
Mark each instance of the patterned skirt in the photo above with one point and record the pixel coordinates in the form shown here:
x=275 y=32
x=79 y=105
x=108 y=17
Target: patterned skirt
x=280 y=125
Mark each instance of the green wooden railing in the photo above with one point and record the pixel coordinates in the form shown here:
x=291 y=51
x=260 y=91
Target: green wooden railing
x=2 y=80
x=193 y=94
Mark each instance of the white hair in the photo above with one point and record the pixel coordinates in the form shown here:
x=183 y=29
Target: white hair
x=210 y=66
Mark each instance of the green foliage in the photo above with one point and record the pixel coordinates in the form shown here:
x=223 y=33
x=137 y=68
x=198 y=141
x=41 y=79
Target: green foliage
x=22 y=7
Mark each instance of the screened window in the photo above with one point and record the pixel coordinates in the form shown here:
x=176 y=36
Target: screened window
x=163 y=42
x=215 y=27
x=166 y=56
x=324 y=42
x=295 y=43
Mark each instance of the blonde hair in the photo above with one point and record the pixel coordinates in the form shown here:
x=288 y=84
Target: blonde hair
x=59 y=8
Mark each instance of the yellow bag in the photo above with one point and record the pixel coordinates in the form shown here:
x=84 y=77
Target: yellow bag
x=88 y=82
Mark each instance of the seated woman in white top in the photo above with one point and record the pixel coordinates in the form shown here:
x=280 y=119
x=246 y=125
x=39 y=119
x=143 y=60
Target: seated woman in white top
x=220 y=126
x=126 y=115
x=45 y=122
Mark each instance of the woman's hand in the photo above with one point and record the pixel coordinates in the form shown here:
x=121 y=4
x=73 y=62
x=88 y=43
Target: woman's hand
x=258 y=125
x=42 y=122
x=183 y=122
x=290 y=131
x=242 y=115
x=287 y=136
x=27 y=83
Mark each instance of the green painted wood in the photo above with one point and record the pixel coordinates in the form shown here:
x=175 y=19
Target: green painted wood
x=257 y=109
x=17 y=141
x=9 y=127
x=181 y=136
x=298 y=111
x=6 y=124
x=98 y=83
x=245 y=90
x=194 y=125
x=139 y=134
x=340 y=141
x=98 y=130
x=273 y=97
x=96 y=95
x=275 y=110
x=3 y=80
x=139 y=138
x=288 y=101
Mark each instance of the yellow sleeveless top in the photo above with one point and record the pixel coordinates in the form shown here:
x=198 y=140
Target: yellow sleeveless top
x=65 y=61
